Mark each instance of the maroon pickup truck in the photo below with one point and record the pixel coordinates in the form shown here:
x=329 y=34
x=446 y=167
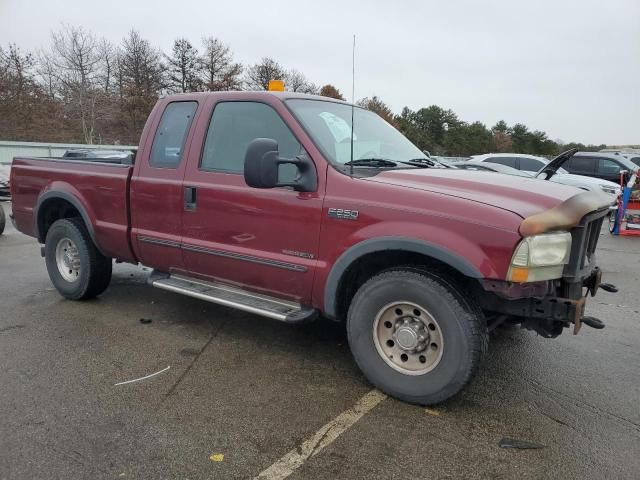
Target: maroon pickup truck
x=268 y=202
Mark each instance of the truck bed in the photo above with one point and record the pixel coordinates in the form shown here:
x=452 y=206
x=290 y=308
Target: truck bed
x=98 y=190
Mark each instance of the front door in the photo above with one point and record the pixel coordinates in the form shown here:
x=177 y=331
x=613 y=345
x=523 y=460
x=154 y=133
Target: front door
x=262 y=240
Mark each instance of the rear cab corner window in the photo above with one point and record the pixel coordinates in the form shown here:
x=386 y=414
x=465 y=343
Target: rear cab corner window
x=169 y=140
x=234 y=125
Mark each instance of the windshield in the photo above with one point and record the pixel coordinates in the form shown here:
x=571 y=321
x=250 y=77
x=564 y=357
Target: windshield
x=329 y=125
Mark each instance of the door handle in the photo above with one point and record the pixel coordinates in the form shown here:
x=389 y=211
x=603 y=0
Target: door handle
x=190 y=198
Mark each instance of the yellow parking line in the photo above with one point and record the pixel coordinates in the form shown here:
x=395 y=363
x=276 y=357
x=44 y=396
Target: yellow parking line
x=322 y=438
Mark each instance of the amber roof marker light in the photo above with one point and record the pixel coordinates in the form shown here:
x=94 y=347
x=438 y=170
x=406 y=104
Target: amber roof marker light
x=276 y=86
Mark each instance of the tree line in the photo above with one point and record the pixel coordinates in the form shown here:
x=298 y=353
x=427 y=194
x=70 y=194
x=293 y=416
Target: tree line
x=86 y=89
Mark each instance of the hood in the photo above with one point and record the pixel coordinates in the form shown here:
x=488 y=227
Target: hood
x=520 y=195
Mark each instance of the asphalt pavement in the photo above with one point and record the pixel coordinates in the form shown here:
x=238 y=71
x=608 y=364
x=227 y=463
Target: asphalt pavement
x=243 y=393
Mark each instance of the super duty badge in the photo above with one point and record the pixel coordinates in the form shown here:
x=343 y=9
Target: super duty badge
x=343 y=214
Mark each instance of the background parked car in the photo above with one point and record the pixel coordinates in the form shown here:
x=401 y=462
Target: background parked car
x=606 y=166
x=489 y=167
x=533 y=165
x=633 y=158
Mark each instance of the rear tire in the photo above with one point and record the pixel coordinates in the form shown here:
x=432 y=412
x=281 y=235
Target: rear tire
x=76 y=268
x=415 y=336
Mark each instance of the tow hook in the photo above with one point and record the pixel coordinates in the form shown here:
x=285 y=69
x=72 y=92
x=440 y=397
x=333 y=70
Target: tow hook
x=593 y=322
x=608 y=287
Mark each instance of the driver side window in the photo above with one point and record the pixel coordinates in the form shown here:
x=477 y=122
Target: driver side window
x=234 y=125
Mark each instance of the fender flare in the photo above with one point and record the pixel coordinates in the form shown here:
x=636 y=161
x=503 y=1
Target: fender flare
x=389 y=243
x=77 y=204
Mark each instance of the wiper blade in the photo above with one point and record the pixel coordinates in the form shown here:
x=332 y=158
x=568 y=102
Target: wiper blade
x=423 y=161
x=430 y=161
x=372 y=162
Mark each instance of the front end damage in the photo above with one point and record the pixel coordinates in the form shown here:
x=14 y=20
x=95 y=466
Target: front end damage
x=549 y=306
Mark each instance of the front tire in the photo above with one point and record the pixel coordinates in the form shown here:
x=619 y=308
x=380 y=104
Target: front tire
x=76 y=268
x=415 y=337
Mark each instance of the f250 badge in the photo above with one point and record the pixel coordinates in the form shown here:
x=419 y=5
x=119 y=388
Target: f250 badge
x=343 y=214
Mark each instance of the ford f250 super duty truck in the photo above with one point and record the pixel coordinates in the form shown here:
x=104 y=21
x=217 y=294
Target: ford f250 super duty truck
x=269 y=203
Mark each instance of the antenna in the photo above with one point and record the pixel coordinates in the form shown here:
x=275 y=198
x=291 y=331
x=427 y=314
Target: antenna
x=353 y=94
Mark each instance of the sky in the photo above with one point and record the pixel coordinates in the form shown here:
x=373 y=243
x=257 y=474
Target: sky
x=570 y=68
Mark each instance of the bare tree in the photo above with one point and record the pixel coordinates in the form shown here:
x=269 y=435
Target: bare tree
x=258 y=75
x=141 y=78
x=20 y=96
x=219 y=71
x=108 y=62
x=295 y=81
x=47 y=74
x=75 y=55
x=184 y=67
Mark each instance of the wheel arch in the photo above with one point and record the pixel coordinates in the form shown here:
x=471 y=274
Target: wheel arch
x=413 y=250
x=64 y=203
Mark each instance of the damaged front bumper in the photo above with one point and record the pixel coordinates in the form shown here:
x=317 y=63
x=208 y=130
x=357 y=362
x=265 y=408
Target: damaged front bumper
x=545 y=307
x=548 y=307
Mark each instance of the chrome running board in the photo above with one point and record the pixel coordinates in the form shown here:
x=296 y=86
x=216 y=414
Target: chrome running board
x=230 y=296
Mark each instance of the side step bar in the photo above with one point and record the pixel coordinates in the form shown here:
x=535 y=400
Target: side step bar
x=234 y=297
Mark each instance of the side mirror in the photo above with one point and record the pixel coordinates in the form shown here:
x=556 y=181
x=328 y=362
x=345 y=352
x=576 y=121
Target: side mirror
x=262 y=164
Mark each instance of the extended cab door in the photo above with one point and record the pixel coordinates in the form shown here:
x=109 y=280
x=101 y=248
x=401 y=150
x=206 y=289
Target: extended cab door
x=156 y=187
x=262 y=240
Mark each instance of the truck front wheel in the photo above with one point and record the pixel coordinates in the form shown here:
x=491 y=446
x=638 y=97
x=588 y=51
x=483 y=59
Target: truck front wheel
x=414 y=336
x=76 y=268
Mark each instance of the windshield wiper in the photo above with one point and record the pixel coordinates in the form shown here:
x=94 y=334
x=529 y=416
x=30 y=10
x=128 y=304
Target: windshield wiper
x=429 y=161
x=423 y=161
x=372 y=162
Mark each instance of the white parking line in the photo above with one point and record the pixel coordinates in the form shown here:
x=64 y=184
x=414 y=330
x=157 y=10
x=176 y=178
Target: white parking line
x=322 y=438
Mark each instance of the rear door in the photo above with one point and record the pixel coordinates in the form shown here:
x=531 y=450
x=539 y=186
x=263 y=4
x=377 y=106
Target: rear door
x=156 y=188
x=262 y=240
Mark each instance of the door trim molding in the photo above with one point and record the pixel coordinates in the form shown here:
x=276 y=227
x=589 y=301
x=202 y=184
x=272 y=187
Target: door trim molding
x=248 y=258
x=159 y=241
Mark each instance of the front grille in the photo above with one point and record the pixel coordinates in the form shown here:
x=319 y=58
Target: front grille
x=584 y=240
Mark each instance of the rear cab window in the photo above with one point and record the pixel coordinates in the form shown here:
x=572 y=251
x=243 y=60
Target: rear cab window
x=168 y=143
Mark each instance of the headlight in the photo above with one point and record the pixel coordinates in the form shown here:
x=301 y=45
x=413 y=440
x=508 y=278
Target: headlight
x=540 y=257
x=609 y=189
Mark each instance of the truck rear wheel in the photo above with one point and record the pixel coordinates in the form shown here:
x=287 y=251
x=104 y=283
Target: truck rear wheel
x=415 y=337
x=76 y=268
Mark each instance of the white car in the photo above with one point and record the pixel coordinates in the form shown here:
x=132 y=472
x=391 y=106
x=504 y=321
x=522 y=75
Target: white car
x=534 y=165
